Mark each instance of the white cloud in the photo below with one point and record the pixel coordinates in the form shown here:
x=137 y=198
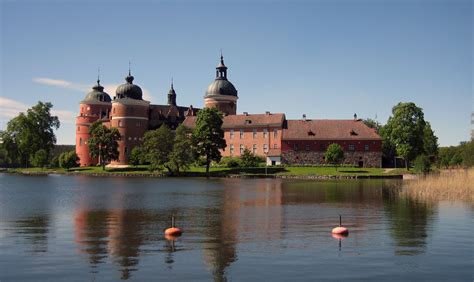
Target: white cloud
x=61 y=83
x=11 y=108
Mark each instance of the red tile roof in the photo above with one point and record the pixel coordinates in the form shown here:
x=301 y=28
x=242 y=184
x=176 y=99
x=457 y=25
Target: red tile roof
x=324 y=129
x=242 y=121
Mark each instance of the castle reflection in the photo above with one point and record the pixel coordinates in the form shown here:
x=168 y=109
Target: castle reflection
x=241 y=211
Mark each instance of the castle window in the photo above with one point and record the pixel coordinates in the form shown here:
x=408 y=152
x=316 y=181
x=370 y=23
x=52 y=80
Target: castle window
x=80 y=141
x=231 y=134
x=295 y=147
x=265 y=148
x=275 y=133
x=351 y=147
x=241 y=133
x=78 y=128
x=366 y=147
x=129 y=138
x=113 y=110
x=254 y=148
x=275 y=146
x=323 y=147
x=139 y=123
x=231 y=149
x=241 y=149
x=120 y=123
x=135 y=138
x=126 y=150
x=265 y=133
x=254 y=133
x=88 y=108
x=307 y=147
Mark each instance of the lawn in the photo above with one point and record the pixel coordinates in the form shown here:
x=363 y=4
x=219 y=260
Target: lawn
x=223 y=171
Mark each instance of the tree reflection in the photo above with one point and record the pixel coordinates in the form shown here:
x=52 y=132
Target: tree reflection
x=35 y=229
x=409 y=222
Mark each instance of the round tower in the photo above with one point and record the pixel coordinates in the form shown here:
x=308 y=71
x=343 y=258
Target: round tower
x=221 y=93
x=95 y=106
x=130 y=116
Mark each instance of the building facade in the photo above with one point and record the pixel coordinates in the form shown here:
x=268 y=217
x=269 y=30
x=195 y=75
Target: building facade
x=269 y=135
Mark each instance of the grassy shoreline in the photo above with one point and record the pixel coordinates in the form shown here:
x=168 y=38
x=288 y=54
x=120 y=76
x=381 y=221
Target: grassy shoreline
x=270 y=172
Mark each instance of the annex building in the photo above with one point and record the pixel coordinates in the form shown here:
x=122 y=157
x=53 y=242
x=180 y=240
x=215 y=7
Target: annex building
x=271 y=135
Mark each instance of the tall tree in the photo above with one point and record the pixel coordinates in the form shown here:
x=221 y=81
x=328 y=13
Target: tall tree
x=405 y=130
x=182 y=156
x=157 y=146
x=30 y=132
x=208 y=136
x=334 y=155
x=430 y=141
x=103 y=143
x=372 y=124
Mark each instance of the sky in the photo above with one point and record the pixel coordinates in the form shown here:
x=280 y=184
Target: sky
x=326 y=59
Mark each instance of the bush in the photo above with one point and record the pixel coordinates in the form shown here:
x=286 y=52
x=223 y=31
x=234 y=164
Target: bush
x=229 y=162
x=40 y=158
x=68 y=160
x=136 y=156
x=422 y=164
x=248 y=159
x=54 y=162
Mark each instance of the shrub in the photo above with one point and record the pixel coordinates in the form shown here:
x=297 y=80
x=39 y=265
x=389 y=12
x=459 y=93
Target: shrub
x=40 y=158
x=422 y=164
x=68 y=160
x=230 y=162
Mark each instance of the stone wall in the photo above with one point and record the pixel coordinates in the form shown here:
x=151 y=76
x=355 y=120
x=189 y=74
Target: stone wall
x=369 y=159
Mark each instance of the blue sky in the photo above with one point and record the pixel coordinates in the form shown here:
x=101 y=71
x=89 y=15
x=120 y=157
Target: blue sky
x=325 y=59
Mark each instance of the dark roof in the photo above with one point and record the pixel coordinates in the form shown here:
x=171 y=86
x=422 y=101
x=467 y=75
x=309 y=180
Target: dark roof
x=129 y=90
x=244 y=120
x=221 y=86
x=97 y=95
x=324 y=129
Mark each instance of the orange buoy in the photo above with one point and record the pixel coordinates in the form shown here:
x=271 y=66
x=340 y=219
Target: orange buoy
x=340 y=230
x=173 y=231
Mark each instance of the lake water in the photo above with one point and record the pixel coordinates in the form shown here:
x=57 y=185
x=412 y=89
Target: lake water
x=78 y=228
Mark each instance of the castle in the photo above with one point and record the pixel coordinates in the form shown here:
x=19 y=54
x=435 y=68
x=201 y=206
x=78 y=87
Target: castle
x=270 y=135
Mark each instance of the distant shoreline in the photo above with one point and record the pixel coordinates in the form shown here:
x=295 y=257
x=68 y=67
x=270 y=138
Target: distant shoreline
x=201 y=175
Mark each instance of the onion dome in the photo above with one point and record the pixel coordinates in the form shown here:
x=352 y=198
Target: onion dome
x=129 y=90
x=97 y=94
x=221 y=86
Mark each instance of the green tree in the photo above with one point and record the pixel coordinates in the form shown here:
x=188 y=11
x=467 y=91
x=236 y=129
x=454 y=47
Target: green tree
x=208 y=136
x=103 y=143
x=40 y=158
x=158 y=145
x=248 y=159
x=30 y=132
x=468 y=154
x=430 y=142
x=334 y=155
x=372 y=124
x=422 y=164
x=405 y=130
x=68 y=160
x=136 y=156
x=181 y=156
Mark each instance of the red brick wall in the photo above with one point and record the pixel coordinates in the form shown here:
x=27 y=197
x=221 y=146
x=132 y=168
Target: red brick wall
x=321 y=145
x=132 y=123
x=249 y=140
x=88 y=114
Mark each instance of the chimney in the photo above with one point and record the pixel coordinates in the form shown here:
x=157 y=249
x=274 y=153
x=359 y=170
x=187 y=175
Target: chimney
x=267 y=113
x=355 y=117
x=246 y=113
x=304 y=116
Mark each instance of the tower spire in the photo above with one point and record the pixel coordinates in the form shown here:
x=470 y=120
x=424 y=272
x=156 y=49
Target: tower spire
x=129 y=67
x=98 y=76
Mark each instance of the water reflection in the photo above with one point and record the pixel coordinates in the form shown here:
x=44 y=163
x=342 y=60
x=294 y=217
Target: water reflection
x=35 y=230
x=410 y=222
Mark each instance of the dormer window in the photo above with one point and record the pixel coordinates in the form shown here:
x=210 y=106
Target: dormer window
x=247 y=121
x=311 y=133
x=353 y=133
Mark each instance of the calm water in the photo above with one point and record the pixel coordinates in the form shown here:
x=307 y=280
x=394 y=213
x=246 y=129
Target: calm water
x=78 y=228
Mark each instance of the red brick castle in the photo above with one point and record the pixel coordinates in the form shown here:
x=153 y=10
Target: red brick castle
x=270 y=135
